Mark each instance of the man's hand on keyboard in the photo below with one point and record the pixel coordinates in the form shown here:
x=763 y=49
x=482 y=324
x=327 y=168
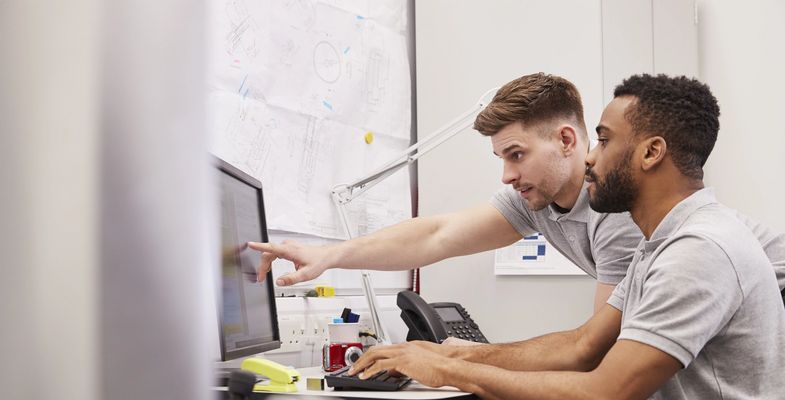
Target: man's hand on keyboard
x=411 y=359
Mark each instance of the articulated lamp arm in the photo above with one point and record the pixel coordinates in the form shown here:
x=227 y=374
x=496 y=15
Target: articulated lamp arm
x=343 y=194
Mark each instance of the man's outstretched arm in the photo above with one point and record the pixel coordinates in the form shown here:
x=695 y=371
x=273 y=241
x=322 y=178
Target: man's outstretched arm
x=413 y=243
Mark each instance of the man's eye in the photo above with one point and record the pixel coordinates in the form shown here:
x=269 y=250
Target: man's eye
x=602 y=141
x=516 y=156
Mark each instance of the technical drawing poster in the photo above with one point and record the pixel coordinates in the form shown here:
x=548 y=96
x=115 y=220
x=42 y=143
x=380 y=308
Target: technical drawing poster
x=295 y=88
x=533 y=255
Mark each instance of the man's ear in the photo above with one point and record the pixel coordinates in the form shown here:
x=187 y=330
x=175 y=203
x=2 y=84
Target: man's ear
x=568 y=139
x=654 y=150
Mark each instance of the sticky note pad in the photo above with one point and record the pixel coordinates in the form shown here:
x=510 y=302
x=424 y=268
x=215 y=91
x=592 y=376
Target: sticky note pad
x=314 y=383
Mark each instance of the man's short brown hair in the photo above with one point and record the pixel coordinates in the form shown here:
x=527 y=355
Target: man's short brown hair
x=531 y=99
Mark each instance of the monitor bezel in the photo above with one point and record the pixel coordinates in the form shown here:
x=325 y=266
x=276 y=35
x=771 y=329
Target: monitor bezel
x=236 y=173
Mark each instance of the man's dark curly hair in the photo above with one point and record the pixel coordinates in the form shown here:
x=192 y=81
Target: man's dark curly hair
x=681 y=110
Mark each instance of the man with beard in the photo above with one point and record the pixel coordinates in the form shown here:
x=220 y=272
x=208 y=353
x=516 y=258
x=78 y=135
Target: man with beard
x=699 y=314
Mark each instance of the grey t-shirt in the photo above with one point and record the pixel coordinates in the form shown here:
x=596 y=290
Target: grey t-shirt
x=702 y=290
x=600 y=244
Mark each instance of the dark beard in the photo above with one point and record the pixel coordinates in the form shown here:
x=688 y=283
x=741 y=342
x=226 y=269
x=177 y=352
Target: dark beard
x=616 y=192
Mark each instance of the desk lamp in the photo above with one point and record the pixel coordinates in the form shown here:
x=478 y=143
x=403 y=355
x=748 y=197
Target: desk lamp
x=343 y=194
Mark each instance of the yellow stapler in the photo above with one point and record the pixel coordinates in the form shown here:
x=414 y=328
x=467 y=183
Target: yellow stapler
x=282 y=378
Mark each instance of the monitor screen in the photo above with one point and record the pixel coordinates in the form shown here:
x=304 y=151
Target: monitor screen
x=247 y=315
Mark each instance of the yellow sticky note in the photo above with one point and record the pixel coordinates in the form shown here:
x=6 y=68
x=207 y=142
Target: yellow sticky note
x=325 y=291
x=368 y=137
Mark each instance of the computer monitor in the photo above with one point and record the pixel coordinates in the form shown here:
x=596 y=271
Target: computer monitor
x=247 y=316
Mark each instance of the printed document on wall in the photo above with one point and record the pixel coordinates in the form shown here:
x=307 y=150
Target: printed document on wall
x=533 y=255
x=296 y=87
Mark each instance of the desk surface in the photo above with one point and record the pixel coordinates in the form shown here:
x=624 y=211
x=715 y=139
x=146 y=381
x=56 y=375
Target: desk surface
x=413 y=390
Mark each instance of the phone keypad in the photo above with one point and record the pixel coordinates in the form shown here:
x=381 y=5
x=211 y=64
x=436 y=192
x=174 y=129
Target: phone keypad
x=466 y=329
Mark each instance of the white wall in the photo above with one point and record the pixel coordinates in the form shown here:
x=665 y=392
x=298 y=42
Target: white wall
x=647 y=36
x=742 y=59
x=466 y=47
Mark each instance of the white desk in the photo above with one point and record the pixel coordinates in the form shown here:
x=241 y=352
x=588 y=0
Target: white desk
x=413 y=390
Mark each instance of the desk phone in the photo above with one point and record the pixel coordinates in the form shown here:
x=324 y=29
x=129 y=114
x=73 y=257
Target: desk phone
x=436 y=322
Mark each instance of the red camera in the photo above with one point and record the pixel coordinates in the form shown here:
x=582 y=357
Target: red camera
x=338 y=355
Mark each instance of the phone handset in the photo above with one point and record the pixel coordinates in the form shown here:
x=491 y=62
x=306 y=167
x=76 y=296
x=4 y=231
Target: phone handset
x=421 y=318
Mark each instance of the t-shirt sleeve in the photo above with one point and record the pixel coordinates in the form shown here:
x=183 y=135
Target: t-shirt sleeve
x=689 y=294
x=615 y=239
x=508 y=202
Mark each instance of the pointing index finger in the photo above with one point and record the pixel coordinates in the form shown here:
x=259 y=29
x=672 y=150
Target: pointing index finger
x=267 y=247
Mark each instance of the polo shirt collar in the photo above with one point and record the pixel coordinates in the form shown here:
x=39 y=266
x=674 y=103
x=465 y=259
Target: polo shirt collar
x=579 y=212
x=677 y=215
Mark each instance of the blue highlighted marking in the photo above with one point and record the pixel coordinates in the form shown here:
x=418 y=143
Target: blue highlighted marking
x=532 y=237
x=346 y=50
x=328 y=105
x=541 y=250
x=242 y=84
x=529 y=258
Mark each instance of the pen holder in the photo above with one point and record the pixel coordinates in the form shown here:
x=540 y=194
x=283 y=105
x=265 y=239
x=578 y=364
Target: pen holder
x=344 y=333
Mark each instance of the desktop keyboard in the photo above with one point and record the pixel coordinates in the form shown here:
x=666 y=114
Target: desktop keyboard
x=338 y=380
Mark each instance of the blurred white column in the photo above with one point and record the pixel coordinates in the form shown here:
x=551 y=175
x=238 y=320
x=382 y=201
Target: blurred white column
x=105 y=201
x=155 y=199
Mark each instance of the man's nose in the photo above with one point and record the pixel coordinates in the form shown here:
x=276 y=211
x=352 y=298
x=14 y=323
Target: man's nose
x=509 y=175
x=590 y=158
